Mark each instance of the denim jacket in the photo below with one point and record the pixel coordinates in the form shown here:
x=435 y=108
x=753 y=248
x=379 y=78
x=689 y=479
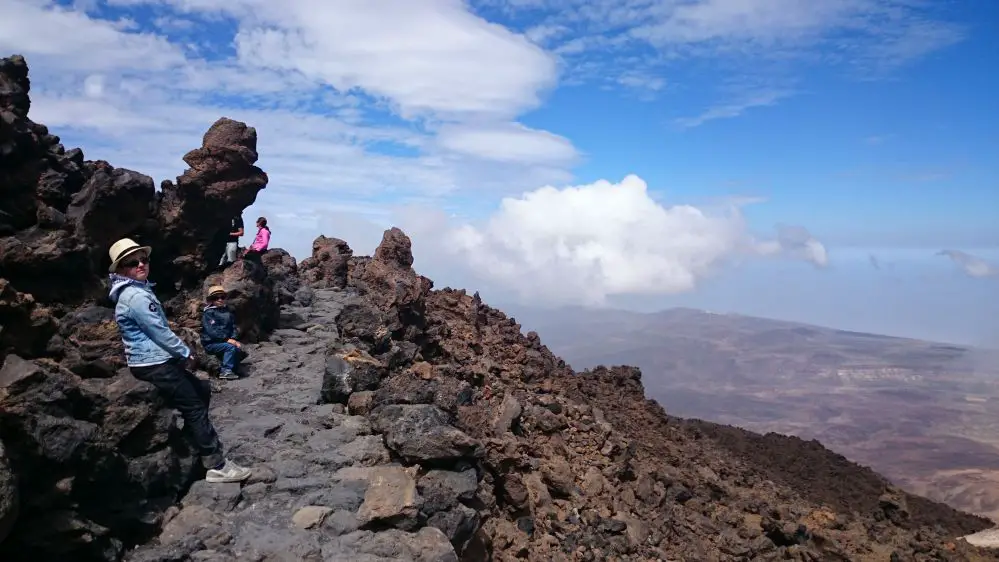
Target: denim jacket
x=143 y=325
x=217 y=325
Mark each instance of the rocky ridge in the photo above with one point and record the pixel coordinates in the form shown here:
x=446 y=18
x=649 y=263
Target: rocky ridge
x=92 y=453
x=385 y=420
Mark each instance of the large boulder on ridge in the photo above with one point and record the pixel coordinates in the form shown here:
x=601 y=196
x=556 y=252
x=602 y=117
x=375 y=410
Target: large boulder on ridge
x=394 y=296
x=193 y=215
x=329 y=264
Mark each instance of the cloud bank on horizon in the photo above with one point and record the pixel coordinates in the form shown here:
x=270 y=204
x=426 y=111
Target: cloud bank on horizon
x=365 y=106
x=581 y=244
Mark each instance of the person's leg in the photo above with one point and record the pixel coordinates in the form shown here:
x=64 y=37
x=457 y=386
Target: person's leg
x=230 y=251
x=252 y=255
x=181 y=391
x=202 y=387
x=227 y=353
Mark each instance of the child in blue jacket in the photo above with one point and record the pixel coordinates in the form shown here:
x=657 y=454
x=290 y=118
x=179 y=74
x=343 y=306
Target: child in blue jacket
x=218 y=333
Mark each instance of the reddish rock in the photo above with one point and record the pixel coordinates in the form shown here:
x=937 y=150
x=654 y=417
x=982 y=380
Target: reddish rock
x=192 y=216
x=581 y=466
x=329 y=265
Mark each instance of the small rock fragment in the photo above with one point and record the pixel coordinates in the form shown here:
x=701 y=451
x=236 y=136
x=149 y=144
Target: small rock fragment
x=310 y=516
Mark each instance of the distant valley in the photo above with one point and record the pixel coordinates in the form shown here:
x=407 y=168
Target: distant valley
x=924 y=414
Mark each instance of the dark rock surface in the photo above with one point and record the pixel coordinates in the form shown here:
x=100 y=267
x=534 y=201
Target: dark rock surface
x=10 y=497
x=96 y=461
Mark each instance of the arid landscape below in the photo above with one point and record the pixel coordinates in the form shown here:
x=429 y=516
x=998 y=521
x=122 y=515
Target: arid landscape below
x=923 y=414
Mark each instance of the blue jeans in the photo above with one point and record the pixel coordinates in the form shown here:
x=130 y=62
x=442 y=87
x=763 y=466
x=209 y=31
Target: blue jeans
x=229 y=353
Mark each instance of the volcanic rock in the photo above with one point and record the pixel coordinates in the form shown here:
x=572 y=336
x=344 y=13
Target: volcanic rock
x=95 y=455
x=95 y=460
x=193 y=214
x=329 y=264
x=24 y=325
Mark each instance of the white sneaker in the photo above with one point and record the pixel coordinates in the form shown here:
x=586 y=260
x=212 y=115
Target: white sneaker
x=230 y=472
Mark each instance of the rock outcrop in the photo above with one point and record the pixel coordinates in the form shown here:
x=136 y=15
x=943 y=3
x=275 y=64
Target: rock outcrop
x=94 y=455
x=193 y=215
x=329 y=265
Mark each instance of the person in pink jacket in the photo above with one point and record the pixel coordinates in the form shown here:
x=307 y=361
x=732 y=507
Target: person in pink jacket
x=260 y=242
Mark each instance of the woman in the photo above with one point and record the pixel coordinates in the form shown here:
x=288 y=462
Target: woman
x=156 y=355
x=260 y=242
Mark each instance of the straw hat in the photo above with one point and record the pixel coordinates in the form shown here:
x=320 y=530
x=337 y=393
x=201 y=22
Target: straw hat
x=124 y=248
x=214 y=290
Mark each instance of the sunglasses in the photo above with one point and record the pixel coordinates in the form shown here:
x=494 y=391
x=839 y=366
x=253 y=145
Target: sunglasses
x=218 y=298
x=134 y=262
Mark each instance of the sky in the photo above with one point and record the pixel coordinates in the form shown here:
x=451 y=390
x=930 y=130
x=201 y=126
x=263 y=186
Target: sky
x=831 y=162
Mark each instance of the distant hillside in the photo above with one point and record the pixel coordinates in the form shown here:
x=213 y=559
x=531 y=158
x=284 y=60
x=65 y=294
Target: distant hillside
x=923 y=413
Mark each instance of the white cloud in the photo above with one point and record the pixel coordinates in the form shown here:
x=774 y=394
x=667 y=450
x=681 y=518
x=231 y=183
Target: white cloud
x=584 y=243
x=764 y=98
x=971 y=265
x=93 y=86
x=336 y=122
x=424 y=56
x=51 y=34
x=508 y=142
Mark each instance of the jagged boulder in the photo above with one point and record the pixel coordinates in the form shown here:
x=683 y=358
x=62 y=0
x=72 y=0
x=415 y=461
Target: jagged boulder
x=19 y=149
x=394 y=296
x=250 y=297
x=391 y=283
x=329 y=264
x=112 y=204
x=24 y=325
x=348 y=372
x=193 y=214
x=89 y=344
x=282 y=272
x=97 y=461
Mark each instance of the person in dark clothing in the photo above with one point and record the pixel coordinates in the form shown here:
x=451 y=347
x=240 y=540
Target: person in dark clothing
x=232 y=242
x=156 y=355
x=218 y=333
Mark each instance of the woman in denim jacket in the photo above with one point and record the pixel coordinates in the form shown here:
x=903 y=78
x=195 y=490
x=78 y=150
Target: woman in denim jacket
x=156 y=355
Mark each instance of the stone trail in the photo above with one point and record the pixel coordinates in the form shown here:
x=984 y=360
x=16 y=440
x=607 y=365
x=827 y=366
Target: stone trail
x=323 y=487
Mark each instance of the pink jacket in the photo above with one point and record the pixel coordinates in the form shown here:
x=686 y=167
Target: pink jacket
x=262 y=240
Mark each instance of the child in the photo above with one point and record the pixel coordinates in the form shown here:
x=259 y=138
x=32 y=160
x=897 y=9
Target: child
x=218 y=332
x=260 y=242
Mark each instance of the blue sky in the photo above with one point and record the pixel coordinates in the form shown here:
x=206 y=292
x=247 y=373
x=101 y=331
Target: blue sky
x=697 y=151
